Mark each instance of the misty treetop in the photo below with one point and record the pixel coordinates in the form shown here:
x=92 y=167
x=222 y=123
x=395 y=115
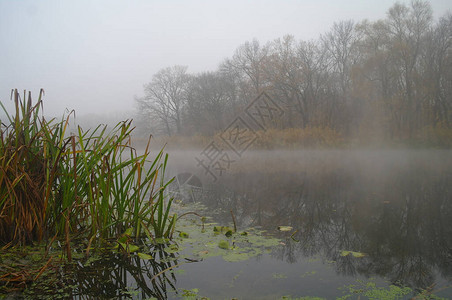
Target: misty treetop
x=390 y=79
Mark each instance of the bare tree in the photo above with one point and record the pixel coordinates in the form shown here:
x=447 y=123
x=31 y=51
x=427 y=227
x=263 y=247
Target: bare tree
x=437 y=77
x=340 y=43
x=408 y=27
x=166 y=95
x=248 y=63
x=373 y=79
x=296 y=73
x=283 y=72
x=209 y=100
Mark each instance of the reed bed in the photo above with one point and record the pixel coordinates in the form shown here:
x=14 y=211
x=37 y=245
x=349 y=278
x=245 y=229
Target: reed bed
x=93 y=183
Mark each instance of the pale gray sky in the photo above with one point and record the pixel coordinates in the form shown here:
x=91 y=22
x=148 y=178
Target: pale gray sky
x=95 y=56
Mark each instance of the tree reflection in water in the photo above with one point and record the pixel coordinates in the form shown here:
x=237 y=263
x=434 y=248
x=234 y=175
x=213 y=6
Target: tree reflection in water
x=400 y=217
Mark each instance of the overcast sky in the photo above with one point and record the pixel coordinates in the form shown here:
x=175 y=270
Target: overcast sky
x=95 y=56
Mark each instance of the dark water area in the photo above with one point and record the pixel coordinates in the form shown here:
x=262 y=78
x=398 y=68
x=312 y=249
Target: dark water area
x=363 y=225
x=394 y=207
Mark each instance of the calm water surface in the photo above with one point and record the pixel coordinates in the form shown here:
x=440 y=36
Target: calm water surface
x=393 y=206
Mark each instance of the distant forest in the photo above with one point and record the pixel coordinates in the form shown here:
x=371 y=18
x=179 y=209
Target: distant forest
x=389 y=79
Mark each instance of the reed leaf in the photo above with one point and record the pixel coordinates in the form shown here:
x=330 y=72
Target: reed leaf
x=92 y=182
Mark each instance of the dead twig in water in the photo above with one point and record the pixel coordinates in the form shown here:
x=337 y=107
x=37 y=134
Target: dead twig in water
x=172 y=267
x=188 y=213
x=233 y=221
x=43 y=269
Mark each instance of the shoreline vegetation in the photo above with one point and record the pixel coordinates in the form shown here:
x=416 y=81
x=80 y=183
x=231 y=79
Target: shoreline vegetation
x=439 y=137
x=75 y=192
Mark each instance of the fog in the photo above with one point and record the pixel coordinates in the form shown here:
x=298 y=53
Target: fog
x=95 y=56
x=363 y=164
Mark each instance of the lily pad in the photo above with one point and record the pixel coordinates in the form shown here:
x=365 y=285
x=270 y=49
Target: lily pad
x=161 y=241
x=183 y=235
x=279 y=276
x=223 y=244
x=218 y=229
x=285 y=228
x=353 y=253
x=171 y=249
x=237 y=256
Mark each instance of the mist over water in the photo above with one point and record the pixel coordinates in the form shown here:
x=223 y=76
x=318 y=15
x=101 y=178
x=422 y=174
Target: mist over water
x=392 y=205
x=374 y=161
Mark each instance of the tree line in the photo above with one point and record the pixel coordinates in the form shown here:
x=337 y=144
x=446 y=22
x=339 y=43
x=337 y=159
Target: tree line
x=390 y=78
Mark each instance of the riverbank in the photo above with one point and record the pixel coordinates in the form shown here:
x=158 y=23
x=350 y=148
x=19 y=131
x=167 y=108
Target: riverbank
x=307 y=138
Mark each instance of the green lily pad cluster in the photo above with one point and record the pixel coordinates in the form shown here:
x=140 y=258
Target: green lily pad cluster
x=370 y=290
x=202 y=240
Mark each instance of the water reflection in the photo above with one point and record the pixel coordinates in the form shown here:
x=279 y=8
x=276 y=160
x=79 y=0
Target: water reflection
x=118 y=276
x=397 y=211
x=400 y=217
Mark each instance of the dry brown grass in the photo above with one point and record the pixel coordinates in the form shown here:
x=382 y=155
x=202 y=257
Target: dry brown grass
x=297 y=138
x=437 y=136
x=290 y=138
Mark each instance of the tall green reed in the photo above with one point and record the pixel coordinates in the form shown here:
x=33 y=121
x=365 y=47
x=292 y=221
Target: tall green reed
x=91 y=183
